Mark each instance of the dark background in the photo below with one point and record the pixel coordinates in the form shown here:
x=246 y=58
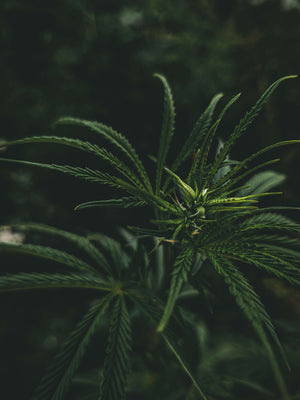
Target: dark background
x=95 y=60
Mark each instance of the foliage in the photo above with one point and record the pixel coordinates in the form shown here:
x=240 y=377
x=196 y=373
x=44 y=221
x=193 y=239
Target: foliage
x=211 y=216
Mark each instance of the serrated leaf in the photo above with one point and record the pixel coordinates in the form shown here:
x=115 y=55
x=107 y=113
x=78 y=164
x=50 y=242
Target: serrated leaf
x=197 y=134
x=58 y=378
x=80 y=241
x=117 y=361
x=167 y=130
x=51 y=254
x=262 y=182
x=115 y=138
x=243 y=125
x=182 y=267
x=29 y=281
x=123 y=202
x=246 y=299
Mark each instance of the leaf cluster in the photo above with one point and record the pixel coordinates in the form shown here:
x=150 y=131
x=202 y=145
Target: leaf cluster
x=210 y=216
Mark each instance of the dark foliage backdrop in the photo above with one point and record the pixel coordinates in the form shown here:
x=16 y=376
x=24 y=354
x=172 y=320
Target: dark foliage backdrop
x=95 y=60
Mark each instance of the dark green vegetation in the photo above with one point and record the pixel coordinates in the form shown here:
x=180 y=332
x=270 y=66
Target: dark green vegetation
x=206 y=217
x=94 y=60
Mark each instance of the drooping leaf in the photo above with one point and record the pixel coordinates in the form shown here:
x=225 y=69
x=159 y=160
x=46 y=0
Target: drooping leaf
x=246 y=298
x=182 y=267
x=80 y=241
x=115 y=138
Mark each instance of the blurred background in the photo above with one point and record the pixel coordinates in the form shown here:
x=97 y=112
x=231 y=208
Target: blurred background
x=95 y=60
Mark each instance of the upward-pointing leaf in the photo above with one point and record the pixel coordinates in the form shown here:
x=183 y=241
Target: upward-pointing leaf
x=243 y=125
x=117 y=361
x=167 y=130
x=202 y=155
x=58 y=378
x=197 y=134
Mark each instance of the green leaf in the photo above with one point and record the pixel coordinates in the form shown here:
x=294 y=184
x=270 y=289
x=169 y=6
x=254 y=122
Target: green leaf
x=270 y=260
x=80 y=241
x=200 y=160
x=182 y=267
x=58 y=378
x=51 y=254
x=29 y=281
x=246 y=299
x=88 y=147
x=123 y=202
x=243 y=125
x=106 y=179
x=262 y=182
x=197 y=134
x=166 y=132
x=119 y=257
x=243 y=164
x=117 y=361
x=269 y=221
x=115 y=138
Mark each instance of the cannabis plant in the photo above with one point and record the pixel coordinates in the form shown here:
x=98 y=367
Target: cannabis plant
x=205 y=213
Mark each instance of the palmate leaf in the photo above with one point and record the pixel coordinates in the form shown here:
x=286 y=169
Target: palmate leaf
x=50 y=253
x=166 y=132
x=29 y=281
x=182 y=267
x=115 y=138
x=243 y=125
x=80 y=241
x=117 y=361
x=58 y=378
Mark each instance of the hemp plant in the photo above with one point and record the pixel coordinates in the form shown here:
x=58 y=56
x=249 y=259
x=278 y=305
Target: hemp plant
x=210 y=216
